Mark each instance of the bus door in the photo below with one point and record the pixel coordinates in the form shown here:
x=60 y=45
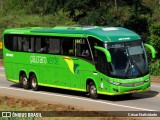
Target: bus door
x=83 y=65
x=66 y=71
x=102 y=67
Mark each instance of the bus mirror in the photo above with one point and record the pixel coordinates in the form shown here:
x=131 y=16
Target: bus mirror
x=107 y=53
x=153 y=51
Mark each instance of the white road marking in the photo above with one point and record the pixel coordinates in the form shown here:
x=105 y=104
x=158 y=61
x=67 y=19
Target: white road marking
x=65 y=96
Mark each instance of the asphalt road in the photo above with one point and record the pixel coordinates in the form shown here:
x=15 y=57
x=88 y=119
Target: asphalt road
x=149 y=101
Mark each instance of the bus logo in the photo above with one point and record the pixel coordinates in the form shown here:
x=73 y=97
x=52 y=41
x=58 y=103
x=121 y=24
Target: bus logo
x=70 y=63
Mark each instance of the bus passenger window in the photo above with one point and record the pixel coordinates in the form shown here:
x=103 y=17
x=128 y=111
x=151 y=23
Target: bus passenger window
x=44 y=45
x=83 y=49
x=31 y=44
x=19 y=43
x=8 y=42
x=15 y=42
x=68 y=46
x=38 y=44
x=25 y=44
x=54 y=45
x=94 y=42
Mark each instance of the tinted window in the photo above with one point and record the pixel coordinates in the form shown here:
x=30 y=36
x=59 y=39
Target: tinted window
x=68 y=46
x=94 y=42
x=83 y=49
x=8 y=42
x=54 y=45
x=40 y=44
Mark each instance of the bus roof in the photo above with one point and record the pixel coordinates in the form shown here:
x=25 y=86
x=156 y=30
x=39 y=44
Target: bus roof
x=108 y=34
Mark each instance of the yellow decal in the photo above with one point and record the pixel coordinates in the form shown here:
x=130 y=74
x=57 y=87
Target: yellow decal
x=70 y=63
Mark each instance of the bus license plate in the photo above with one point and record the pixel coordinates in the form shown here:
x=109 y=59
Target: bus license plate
x=133 y=91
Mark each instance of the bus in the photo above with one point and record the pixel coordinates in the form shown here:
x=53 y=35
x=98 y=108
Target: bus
x=93 y=59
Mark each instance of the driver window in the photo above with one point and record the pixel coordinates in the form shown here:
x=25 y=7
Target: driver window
x=102 y=64
x=82 y=49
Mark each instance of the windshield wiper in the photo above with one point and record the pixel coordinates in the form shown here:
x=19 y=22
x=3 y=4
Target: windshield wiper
x=127 y=68
x=131 y=63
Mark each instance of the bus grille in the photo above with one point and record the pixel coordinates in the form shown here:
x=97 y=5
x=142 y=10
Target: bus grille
x=132 y=84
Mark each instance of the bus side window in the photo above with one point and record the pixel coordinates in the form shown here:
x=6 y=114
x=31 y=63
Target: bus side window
x=44 y=45
x=101 y=64
x=31 y=45
x=8 y=41
x=82 y=49
x=19 y=43
x=68 y=46
x=25 y=44
x=38 y=44
x=15 y=42
x=54 y=45
x=95 y=42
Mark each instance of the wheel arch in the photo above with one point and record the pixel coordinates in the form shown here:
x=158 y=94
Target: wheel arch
x=31 y=73
x=23 y=72
x=89 y=80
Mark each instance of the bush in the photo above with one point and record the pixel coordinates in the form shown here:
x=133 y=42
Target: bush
x=155 y=67
x=155 y=37
x=155 y=41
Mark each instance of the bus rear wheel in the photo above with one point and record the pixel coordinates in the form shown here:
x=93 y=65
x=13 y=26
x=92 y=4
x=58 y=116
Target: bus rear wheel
x=24 y=81
x=21 y=82
x=34 y=83
x=93 y=91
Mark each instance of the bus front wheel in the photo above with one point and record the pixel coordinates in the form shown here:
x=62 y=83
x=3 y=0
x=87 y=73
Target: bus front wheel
x=34 y=83
x=93 y=91
x=24 y=81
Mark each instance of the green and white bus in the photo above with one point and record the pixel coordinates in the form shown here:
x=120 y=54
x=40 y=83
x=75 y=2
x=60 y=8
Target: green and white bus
x=92 y=59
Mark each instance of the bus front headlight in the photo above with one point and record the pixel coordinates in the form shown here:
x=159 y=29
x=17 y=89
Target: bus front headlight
x=147 y=80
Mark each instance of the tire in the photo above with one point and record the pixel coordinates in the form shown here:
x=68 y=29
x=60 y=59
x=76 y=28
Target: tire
x=128 y=95
x=34 y=83
x=20 y=82
x=24 y=81
x=93 y=91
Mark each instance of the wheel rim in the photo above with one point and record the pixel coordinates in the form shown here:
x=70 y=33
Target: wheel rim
x=93 y=90
x=25 y=81
x=34 y=84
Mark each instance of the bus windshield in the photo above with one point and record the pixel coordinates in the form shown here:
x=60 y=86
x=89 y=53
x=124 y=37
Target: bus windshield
x=128 y=59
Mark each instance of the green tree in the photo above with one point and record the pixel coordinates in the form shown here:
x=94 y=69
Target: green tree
x=140 y=17
x=154 y=41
